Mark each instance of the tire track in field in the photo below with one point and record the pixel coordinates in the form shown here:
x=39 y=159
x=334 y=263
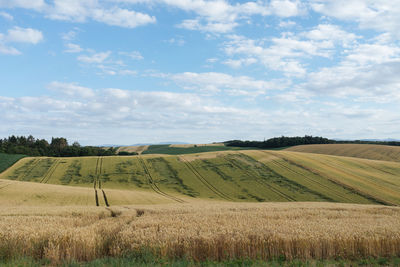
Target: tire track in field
x=204 y=181
x=312 y=180
x=346 y=186
x=30 y=169
x=99 y=180
x=96 y=197
x=260 y=181
x=4 y=186
x=154 y=186
x=50 y=172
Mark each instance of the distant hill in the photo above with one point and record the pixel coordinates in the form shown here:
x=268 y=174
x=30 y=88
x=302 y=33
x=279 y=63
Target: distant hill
x=365 y=151
x=242 y=176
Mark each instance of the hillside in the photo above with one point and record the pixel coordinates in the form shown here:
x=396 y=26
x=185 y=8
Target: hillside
x=7 y=160
x=245 y=176
x=366 y=151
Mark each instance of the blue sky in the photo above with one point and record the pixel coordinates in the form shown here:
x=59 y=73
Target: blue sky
x=197 y=71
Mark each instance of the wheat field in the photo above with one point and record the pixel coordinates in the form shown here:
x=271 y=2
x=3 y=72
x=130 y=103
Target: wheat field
x=366 y=151
x=212 y=231
x=242 y=176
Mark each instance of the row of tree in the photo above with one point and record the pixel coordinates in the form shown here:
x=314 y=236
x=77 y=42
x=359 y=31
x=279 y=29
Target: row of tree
x=284 y=141
x=58 y=147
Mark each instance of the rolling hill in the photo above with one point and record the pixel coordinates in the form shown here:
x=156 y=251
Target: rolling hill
x=366 y=151
x=240 y=176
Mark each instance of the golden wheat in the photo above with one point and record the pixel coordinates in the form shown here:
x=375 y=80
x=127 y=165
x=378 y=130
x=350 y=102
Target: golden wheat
x=214 y=231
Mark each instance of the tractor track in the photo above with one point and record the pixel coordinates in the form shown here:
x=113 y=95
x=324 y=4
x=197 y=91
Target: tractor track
x=50 y=172
x=205 y=182
x=4 y=186
x=96 y=197
x=154 y=186
x=34 y=164
x=348 y=187
x=261 y=181
x=99 y=181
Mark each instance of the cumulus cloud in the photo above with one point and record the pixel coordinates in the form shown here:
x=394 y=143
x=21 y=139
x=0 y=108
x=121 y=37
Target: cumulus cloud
x=380 y=15
x=71 y=89
x=94 y=58
x=82 y=11
x=24 y=35
x=214 y=82
x=18 y=35
x=73 y=48
x=136 y=55
x=6 y=16
x=112 y=115
x=28 y=4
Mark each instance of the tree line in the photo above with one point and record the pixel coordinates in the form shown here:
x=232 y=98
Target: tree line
x=283 y=141
x=58 y=147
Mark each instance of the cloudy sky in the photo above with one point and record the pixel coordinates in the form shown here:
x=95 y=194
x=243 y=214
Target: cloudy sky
x=132 y=71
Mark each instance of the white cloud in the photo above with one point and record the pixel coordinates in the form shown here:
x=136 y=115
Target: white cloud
x=122 y=17
x=73 y=48
x=331 y=33
x=18 y=35
x=133 y=55
x=286 y=8
x=113 y=115
x=177 y=41
x=82 y=11
x=380 y=15
x=214 y=82
x=368 y=72
x=24 y=35
x=287 y=52
x=71 y=89
x=94 y=58
x=28 y=4
x=8 y=50
x=287 y=24
x=6 y=16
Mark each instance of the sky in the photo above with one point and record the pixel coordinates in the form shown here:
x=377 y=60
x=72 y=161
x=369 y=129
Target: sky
x=198 y=71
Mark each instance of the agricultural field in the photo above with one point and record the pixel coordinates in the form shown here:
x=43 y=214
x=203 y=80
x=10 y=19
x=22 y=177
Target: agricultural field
x=7 y=160
x=187 y=149
x=239 y=176
x=224 y=207
x=130 y=149
x=366 y=151
x=198 y=232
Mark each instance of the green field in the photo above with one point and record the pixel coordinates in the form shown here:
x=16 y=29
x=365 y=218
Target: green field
x=244 y=176
x=7 y=160
x=170 y=150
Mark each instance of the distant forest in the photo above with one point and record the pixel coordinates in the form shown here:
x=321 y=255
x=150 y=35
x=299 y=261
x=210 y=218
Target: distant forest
x=283 y=141
x=58 y=147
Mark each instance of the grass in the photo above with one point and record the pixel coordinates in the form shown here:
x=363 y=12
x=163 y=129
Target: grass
x=7 y=160
x=366 y=151
x=135 y=260
x=202 y=232
x=242 y=176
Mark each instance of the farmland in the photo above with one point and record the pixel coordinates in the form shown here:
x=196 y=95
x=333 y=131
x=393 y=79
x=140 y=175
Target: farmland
x=216 y=206
x=242 y=176
x=213 y=231
x=7 y=160
x=366 y=151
